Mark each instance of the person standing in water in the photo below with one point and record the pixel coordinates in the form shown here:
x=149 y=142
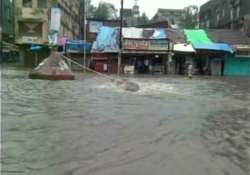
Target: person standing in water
x=190 y=70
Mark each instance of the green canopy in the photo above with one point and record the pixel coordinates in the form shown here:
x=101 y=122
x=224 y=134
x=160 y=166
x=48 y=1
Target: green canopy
x=197 y=37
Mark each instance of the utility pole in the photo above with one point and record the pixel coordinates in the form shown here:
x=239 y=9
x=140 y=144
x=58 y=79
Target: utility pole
x=1 y=30
x=84 y=35
x=120 y=39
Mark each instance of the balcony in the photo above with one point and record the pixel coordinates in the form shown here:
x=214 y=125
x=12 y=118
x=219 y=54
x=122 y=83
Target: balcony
x=32 y=14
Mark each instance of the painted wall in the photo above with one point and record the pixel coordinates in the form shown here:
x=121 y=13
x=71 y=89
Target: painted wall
x=237 y=66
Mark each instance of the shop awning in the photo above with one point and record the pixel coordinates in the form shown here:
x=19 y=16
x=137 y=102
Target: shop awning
x=201 y=41
x=184 y=48
x=10 y=47
x=214 y=46
x=197 y=37
x=78 y=46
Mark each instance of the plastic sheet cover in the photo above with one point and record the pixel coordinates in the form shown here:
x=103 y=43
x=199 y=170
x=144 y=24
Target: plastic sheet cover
x=214 y=46
x=107 y=39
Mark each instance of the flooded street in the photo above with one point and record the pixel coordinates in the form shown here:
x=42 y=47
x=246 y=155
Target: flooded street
x=171 y=126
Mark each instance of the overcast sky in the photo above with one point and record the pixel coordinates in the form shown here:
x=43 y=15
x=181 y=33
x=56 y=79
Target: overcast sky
x=151 y=6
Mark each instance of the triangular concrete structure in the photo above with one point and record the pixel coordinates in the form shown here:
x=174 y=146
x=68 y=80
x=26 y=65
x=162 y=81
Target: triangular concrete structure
x=52 y=68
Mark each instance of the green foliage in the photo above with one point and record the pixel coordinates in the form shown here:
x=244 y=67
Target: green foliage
x=143 y=19
x=105 y=11
x=90 y=9
x=190 y=17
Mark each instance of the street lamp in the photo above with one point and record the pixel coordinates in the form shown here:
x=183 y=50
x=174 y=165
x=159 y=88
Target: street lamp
x=1 y=30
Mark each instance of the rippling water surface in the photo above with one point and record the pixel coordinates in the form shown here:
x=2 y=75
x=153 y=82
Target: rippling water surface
x=89 y=126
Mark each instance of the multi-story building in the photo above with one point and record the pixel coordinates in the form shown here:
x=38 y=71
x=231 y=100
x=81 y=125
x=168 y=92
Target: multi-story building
x=130 y=15
x=31 y=21
x=173 y=16
x=219 y=14
x=32 y=18
x=70 y=20
x=7 y=23
x=8 y=50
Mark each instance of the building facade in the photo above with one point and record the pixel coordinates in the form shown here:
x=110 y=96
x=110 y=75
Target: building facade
x=70 y=20
x=173 y=16
x=224 y=14
x=8 y=50
x=32 y=18
x=31 y=21
x=7 y=24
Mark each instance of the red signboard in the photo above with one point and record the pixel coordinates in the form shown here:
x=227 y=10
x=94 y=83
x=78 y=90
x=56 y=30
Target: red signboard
x=136 y=44
x=145 y=45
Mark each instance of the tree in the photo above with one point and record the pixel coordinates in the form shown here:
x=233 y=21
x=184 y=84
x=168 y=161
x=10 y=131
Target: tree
x=88 y=7
x=143 y=19
x=190 y=18
x=105 y=11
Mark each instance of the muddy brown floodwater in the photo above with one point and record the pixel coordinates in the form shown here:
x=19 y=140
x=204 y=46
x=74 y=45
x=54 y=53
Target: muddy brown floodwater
x=171 y=126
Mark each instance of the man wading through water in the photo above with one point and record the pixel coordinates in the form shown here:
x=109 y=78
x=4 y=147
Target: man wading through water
x=190 y=71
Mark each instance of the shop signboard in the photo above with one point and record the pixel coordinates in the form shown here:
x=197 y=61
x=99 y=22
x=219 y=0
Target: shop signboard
x=29 y=39
x=130 y=44
x=55 y=19
x=161 y=45
x=94 y=26
x=55 y=23
x=147 y=45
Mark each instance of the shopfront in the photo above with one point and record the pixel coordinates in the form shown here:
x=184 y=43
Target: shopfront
x=146 y=55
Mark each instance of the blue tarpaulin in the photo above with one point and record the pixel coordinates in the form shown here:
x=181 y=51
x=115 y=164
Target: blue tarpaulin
x=107 y=39
x=35 y=48
x=159 y=34
x=78 y=46
x=214 y=46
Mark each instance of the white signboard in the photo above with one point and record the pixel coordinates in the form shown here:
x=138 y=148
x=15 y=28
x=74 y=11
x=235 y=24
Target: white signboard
x=55 y=19
x=94 y=26
x=29 y=39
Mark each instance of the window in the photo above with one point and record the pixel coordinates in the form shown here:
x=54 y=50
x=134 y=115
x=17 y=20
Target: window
x=27 y=3
x=42 y=3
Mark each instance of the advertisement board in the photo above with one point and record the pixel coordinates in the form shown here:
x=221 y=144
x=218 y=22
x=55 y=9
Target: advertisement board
x=147 y=45
x=55 y=19
x=94 y=26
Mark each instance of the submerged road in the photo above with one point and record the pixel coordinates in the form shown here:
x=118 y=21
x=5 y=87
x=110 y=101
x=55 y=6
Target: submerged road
x=171 y=126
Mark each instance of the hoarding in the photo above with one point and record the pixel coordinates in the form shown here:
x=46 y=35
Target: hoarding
x=55 y=19
x=147 y=45
x=94 y=26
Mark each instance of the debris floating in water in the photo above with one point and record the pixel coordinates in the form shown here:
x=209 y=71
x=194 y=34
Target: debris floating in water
x=128 y=85
x=124 y=84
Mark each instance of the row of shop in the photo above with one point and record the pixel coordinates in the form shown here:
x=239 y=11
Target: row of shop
x=162 y=51
x=170 y=51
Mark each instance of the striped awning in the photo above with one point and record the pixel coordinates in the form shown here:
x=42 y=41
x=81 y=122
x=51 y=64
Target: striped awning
x=10 y=46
